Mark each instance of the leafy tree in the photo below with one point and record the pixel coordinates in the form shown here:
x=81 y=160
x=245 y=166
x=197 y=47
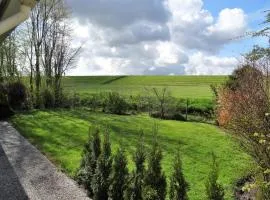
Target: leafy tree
x=101 y=181
x=119 y=177
x=214 y=191
x=134 y=191
x=178 y=184
x=154 y=177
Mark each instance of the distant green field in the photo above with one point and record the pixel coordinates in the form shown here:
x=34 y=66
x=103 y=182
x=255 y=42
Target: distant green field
x=61 y=135
x=179 y=86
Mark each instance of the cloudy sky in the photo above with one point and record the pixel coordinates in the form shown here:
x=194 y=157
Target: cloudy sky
x=167 y=37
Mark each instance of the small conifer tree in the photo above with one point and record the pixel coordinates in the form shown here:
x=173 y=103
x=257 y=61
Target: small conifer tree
x=90 y=157
x=214 y=191
x=154 y=177
x=85 y=162
x=134 y=191
x=178 y=184
x=119 y=176
x=101 y=182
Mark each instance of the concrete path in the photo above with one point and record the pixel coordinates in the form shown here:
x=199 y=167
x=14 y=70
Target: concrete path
x=26 y=174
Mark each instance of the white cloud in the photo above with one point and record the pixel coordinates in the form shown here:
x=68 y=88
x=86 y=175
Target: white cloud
x=201 y=64
x=231 y=23
x=154 y=36
x=169 y=53
x=195 y=28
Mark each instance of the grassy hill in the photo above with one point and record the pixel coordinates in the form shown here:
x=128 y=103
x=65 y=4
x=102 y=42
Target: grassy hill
x=179 y=86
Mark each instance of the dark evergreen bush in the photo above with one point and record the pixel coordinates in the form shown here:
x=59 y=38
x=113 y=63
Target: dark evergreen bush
x=119 y=176
x=169 y=116
x=135 y=189
x=178 y=184
x=214 y=190
x=82 y=174
x=91 y=153
x=17 y=94
x=154 y=177
x=101 y=181
x=5 y=110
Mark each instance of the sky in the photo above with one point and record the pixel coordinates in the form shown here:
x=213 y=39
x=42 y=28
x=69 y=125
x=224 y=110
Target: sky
x=164 y=37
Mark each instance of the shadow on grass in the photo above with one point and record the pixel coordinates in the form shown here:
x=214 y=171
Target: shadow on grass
x=113 y=79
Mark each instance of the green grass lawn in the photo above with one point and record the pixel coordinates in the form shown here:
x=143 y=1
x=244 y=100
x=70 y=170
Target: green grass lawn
x=61 y=135
x=179 y=86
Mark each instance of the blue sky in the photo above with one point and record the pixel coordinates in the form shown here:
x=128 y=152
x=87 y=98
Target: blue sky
x=255 y=12
x=249 y=6
x=167 y=37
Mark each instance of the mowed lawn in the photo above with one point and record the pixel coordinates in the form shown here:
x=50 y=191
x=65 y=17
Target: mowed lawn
x=179 y=86
x=61 y=135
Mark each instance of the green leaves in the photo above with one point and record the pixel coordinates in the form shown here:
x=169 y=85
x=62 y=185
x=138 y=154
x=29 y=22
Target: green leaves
x=214 y=190
x=178 y=185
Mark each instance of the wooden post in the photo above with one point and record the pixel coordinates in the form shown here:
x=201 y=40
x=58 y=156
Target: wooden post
x=187 y=110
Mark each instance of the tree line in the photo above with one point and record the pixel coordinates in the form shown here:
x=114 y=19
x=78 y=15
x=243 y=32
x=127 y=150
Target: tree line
x=40 y=51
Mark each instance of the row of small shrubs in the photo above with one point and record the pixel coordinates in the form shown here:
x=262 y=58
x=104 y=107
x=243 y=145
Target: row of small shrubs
x=49 y=99
x=15 y=96
x=106 y=176
x=115 y=103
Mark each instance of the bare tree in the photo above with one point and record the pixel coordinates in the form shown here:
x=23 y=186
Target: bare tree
x=8 y=64
x=162 y=98
x=48 y=46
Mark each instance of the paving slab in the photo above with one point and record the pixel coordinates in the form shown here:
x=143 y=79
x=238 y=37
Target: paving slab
x=33 y=174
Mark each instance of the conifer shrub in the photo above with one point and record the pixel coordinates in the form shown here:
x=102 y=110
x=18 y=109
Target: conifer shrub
x=101 y=179
x=214 y=190
x=178 y=185
x=135 y=189
x=119 y=178
x=91 y=153
x=154 y=176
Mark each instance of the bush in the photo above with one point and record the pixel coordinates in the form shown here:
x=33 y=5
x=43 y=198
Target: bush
x=48 y=98
x=154 y=177
x=91 y=153
x=68 y=100
x=169 y=116
x=214 y=191
x=115 y=104
x=119 y=177
x=178 y=184
x=203 y=107
x=101 y=182
x=17 y=94
x=5 y=110
x=150 y=193
x=134 y=191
